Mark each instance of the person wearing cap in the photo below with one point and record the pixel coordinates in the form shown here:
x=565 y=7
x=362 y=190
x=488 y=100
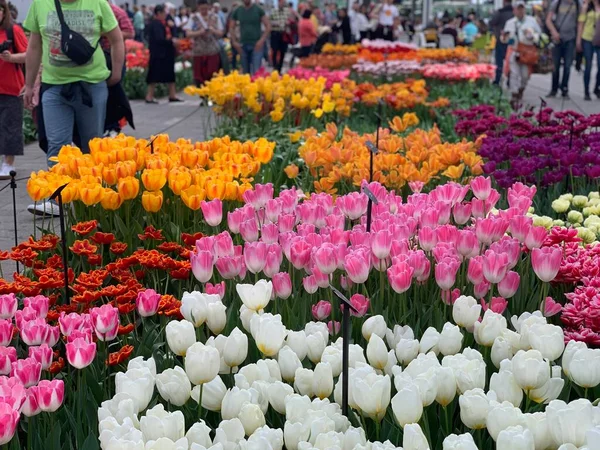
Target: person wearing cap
x=523 y=29
x=250 y=18
x=497 y=23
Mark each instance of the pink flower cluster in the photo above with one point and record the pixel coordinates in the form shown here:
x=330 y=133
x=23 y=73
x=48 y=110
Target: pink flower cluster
x=439 y=232
x=380 y=45
x=391 y=68
x=458 y=71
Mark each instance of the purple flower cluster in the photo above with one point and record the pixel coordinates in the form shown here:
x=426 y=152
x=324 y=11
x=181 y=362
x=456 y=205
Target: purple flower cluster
x=542 y=148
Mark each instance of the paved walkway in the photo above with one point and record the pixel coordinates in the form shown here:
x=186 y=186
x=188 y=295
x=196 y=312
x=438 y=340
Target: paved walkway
x=191 y=121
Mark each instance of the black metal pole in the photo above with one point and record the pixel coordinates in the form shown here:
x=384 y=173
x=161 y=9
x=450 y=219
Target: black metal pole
x=57 y=195
x=542 y=106
x=345 y=358
x=13 y=186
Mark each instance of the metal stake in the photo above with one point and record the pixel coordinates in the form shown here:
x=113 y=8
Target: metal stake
x=13 y=186
x=58 y=196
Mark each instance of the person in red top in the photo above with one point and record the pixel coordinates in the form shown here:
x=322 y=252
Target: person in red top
x=13 y=45
x=307 y=33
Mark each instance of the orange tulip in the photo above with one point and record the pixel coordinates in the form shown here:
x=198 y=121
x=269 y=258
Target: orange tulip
x=179 y=180
x=109 y=174
x=154 y=179
x=91 y=193
x=126 y=154
x=38 y=188
x=111 y=200
x=152 y=200
x=291 y=171
x=192 y=197
x=128 y=187
x=71 y=192
x=215 y=189
x=125 y=169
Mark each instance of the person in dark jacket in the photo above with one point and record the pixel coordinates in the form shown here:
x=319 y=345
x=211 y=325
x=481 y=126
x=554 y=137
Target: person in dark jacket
x=343 y=25
x=497 y=23
x=161 y=67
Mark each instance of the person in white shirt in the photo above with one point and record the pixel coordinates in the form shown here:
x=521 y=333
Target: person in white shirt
x=359 y=24
x=386 y=18
x=522 y=29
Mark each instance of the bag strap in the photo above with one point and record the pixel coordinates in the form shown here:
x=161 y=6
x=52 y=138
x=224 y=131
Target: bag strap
x=60 y=14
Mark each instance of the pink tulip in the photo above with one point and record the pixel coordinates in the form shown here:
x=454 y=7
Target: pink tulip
x=447 y=234
x=482 y=187
x=497 y=305
x=34 y=332
x=269 y=233
x=480 y=290
x=420 y=263
x=535 y=237
x=321 y=310
x=40 y=304
x=31 y=406
x=352 y=205
x=310 y=284
x=321 y=279
x=234 y=220
x=462 y=213
x=519 y=227
x=273 y=260
x=546 y=262
x=445 y=273
x=249 y=230
x=427 y=238
x=259 y=196
x=282 y=285
x=28 y=371
x=335 y=221
x=551 y=307
x=9 y=419
x=449 y=297
x=80 y=353
x=467 y=243
x=430 y=218
x=509 y=246
x=475 y=270
x=6 y=332
x=381 y=244
x=490 y=229
x=300 y=253
x=495 y=266
x=286 y=223
x=360 y=303
x=52 y=336
x=331 y=325
x=147 y=302
x=51 y=395
x=25 y=315
x=207 y=244
x=273 y=210
x=212 y=211
x=223 y=245
x=217 y=288
x=325 y=258
x=87 y=335
x=202 y=265
x=71 y=322
x=255 y=256
x=416 y=186
x=346 y=283
x=509 y=285
x=400 y=277
x=229 y=267
x=8 y=306
x=357 y=266
x=12 y=392
x=42 y=354
x=106 y=322
x=478 y=209
x=444 y=250
x=8 y=355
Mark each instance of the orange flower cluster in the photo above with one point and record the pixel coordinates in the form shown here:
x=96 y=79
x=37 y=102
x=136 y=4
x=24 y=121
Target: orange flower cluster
x=404 y=95
x=329 y=61
x=115 y=168
x=425 y=55
x=339 y=165
x=340 y=49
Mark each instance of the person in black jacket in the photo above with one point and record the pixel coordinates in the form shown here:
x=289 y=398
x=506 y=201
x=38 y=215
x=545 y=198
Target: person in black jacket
x=497 y=23
x=343 y=25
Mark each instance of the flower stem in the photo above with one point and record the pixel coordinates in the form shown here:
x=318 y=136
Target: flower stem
x=200 y=402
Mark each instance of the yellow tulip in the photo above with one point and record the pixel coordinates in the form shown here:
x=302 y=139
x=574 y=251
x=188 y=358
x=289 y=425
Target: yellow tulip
x=179 y=179
x=295 y=136
x=111 y=200
x=192 y=197
x=215 y=189
x=109 y=174
x=126 y=169
x=126 y=154
x=318 y=113
x=276 y=115
x=128 y=187
x=291 y=171
x=91 y=193
x=38 y=188
x=154 y=179
x=152 y=200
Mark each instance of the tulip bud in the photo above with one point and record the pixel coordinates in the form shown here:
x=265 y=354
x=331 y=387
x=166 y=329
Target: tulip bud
x=474 y=407
x=236 y=348
x=407 y=405
x=9 y=418
x=174 y=386
x=180 y=336
x=446 y=386
x=202 y=363
x=257 y=296
x=407 y=350
x=450 y=340
x=288 y=363
x=413 y=438
x=199 y=434
x=530 y=369
x=465 y=312
x=147 y=302
x=376 y=325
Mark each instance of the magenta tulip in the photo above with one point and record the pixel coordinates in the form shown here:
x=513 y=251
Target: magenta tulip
x=546 y=262
x=6 y=332
x=12 y=392
x=361 y=305
x=106 y=322
x=34 y=332
x=325 y=258
x=24 y=315
x=8 y=306
x=73 y=321
x=8 y=355
x=28 y=371
x=52 y=336
x=51 y=394
x=321 y=310
x=551 y=307
x=480 y=290
x=202 y=265
x=42 y=354
x=217 y=288
x=300 y=253
x=80 y=353
x=282 y=285
x=40 y=304
x=146 y=302
x=9 y=419
x=400 y=277
x=352 y=205
x=212 y=211
x=31 y=406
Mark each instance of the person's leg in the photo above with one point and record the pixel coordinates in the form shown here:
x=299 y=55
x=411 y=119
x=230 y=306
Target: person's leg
x=588 y=55
x=500 y=54
x=90 y=120
x=597 y=85
x=282 y=51
x=58 y=121
x=172 y=91
x=556 y=57
x=246 y=55
x=234 y=55
x=150 y=93
x=257 y=56
x=274 y=49
x=568 y=55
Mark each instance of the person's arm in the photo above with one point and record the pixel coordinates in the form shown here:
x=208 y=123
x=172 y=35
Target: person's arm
x=33 y=59
x=117 y=55
x=580 y=25
x=550 y=24
x=267 y=30
x=232 y=33
x=217 y=30
x=126 y=27
x=20 y=47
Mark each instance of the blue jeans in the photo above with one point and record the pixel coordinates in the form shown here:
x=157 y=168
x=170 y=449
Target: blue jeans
x=61 y=114
x=500 y=54
x=588 y=53
x=565 y=50
x=251 y=59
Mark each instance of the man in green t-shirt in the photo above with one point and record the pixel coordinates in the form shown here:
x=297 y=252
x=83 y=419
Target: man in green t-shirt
x=71 y=93
x=250 y=18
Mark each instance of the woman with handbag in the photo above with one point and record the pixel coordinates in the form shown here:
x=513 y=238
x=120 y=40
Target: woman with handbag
x=586 y=27
x=522 y=33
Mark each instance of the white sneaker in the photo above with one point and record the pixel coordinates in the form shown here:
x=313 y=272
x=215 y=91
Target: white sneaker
x=47 y=208
x=5 y=171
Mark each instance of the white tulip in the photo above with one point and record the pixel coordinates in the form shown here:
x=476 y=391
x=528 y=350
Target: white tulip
x=199 y=434
x=333 y=356
x=450 y=341
x=422 y=364
x=374 y=325
x=315 y=347
x=391 y=363
x=234 y=399
x=167 y=444
x=296 y=340
x=530 y=369
x=236 y=348
x=400 y=332
x=377 y=352
x=317 y=328
x=320 y=426
x=466 y=311
x=372 y=394
x=123 y=444
x=255 y=296
x=354 y=437
x=278 y=393
x=288 y=363
x=446 y=386
x=490 y=327
x=593 y=438
x=506 y=388
x=474 y=408
x=427 y=384
x=158 y=423
x=584 y=367
x=525 y=323
x=139 y=384
x=218 y=446
x=246 y=316
x=293 y=433
x=121 y=406
x=213 y=393
x=141 y=363
x=297 y=407
x=537 y=423
x=413 y=438
x=272 y=437
x=202 y=363
x=469 y=373
x=194 y=306
x=251 y=417
x=268 y=332
x=407 y=350
x=263 y=395
x=180 y=336
x=459 y=442
x=303 y=382
x=174 y=386
x=501 y=350
x=513 y=338
x=407 y=405
x=119 y=436
x=548 y=339
x=216 y=316
x=219 y=342
x=551 y=390
x=429 y=341
x=322 y=382
x=536 y=317
x=570 y=350
x=568 y=423
x=501 y=416
x=229 y=432
x=515 y=438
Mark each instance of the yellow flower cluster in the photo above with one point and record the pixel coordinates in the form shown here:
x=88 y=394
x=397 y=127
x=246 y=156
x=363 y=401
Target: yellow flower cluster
x=275 y=95
x=111 y=173
x=581 y=212
x=341 y=49
x=420 y=156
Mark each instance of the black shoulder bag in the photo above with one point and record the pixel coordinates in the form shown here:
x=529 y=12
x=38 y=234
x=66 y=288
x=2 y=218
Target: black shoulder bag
x=73 y=45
